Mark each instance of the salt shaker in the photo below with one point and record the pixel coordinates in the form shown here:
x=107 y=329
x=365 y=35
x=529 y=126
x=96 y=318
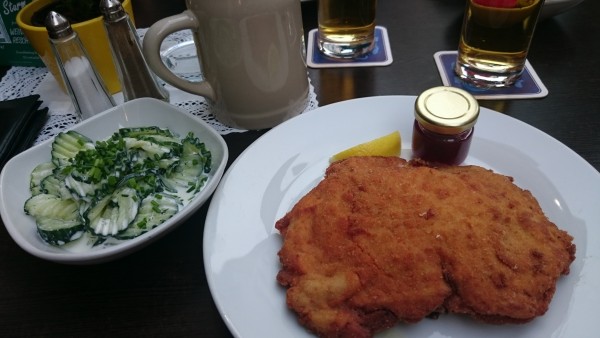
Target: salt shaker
x=137 y=80
x=83 y=83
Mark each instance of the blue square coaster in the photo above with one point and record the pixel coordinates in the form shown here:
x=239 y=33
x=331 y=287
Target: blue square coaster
x=381 y=55
x=528 y=86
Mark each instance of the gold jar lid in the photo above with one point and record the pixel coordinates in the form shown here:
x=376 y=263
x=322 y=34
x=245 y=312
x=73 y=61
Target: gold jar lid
x=446 y=110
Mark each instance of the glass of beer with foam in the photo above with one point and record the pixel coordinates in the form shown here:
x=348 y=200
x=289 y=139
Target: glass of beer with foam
x=495 y=40
x=346 y=27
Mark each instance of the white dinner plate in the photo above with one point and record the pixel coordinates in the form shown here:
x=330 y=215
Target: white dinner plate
x=268 y=178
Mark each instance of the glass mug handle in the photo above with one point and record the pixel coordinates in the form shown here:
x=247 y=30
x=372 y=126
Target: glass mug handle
x=151 y=49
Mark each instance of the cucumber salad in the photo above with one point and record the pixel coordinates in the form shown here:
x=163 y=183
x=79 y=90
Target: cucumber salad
x=117 y=189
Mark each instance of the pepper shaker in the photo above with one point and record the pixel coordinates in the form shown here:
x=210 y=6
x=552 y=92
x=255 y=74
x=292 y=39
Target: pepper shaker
x=136 y=77
x=83 y=83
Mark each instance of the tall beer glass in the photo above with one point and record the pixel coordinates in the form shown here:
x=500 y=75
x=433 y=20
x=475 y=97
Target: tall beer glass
x=346 y=27
x=495 y=40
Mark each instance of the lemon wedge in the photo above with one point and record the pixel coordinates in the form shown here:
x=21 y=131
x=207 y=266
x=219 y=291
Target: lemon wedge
x=388 y=145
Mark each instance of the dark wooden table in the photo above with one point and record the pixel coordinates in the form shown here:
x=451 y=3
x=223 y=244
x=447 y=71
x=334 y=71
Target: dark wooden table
x=162 y=289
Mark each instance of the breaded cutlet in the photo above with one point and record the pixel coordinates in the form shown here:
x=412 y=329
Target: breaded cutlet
x=381 y=241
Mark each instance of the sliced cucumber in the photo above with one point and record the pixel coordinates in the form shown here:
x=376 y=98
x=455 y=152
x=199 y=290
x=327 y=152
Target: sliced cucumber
x=40 y=172
x=55 y=185
x=155 y=209
x=59 y=231
x=170 y=141
x=47 y=205
x=66 y=145
x=82 y=189
x=114 y=189
x=155 y=142
x=168 y=164
x=192 y=146
x=58 y=220
x=114 y=212
x=151 y=149
x=87 y=240
x=188 y=175
x=144 y=183
x=144 y=131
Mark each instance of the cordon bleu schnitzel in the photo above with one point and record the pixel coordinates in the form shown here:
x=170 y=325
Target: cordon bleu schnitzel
x=381 y=241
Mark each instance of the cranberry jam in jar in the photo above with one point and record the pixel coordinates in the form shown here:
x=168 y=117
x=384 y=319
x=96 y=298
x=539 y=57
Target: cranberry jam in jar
x=443 y=128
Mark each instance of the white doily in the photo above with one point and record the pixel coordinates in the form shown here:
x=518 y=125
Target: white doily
x=24 y=81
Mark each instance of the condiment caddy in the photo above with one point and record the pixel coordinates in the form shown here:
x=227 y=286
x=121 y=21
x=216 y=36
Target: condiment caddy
x=84 y=85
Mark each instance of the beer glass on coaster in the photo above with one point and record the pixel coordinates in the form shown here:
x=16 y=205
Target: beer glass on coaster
x=494 y=41
x=346 y=27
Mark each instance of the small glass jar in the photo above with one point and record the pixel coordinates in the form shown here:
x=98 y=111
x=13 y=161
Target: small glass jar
x=444 y=125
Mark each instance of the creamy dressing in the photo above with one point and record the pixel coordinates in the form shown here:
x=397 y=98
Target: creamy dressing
x=86 y=242
x=99 y=234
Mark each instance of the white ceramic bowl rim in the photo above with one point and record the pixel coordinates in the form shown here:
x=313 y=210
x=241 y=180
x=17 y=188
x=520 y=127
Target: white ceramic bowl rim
x=14 y=179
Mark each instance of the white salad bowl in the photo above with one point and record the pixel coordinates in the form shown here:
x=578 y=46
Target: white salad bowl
x=144 y=112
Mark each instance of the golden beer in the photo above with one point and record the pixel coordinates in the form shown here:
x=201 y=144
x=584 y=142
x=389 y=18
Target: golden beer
x=494 y=41
x=346 y=27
